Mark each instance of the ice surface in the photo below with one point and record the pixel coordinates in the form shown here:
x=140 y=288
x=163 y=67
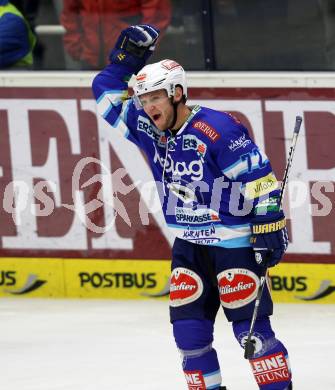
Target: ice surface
x=114 y=345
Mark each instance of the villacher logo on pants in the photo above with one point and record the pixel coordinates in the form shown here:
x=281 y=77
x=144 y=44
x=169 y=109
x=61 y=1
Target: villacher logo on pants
x=237 y=287
x=186 y=286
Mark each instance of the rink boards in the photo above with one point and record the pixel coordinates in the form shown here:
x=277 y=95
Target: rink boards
x=143 y=279
x=73 y=187
x=76 y=195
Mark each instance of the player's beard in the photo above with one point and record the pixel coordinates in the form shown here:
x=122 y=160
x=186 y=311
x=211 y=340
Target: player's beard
x=166 y=119
x=174 y=115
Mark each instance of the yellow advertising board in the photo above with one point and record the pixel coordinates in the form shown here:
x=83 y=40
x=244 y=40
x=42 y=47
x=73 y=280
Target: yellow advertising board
x=144 y=279
x=84 y=278
x=30 y=277
x=301 y=283
x=125 y=279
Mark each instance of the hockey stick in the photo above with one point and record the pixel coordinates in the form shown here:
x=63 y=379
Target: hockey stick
x=249 y=347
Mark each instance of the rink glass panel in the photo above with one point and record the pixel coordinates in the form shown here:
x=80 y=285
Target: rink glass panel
x=258 y=35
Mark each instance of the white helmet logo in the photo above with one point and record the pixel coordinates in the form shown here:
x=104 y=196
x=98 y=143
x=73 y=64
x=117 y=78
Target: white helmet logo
x=170 y=64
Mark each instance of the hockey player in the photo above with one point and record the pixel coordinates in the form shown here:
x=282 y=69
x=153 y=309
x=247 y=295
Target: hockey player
x=219 y=196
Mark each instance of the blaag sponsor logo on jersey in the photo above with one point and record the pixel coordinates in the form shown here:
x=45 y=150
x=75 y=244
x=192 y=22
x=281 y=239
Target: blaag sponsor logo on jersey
x=271 y=369
x=185 y=287
x=207 y=130
x=144 y=125
x=197 y=216
x=240 y=142
x=195 y=380
x=194 y=168
x=237 y=287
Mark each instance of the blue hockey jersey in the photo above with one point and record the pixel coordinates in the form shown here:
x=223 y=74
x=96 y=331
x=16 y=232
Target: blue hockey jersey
x=211 y=177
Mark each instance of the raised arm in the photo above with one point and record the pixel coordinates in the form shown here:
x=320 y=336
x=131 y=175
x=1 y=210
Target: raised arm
x=110 y=87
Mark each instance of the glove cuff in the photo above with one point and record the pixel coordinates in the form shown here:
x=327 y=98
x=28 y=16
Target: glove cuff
x=268 y=227
x=121 y=57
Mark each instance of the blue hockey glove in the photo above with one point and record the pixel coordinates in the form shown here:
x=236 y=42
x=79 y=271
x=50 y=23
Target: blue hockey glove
x=269 y=240
x=134 y=46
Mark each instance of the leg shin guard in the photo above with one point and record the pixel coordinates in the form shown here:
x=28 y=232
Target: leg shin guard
x=270 y=364
x=200 y=364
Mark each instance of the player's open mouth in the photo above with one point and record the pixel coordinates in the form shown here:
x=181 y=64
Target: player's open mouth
x=156 y=117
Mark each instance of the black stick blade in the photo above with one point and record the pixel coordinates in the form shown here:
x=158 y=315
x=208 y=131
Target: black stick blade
x=249 y=349
x=298 y=121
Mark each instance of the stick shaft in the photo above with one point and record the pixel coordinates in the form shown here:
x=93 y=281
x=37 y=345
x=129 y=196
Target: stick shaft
x=248 y=354
x=255 y=312
x=298 y=121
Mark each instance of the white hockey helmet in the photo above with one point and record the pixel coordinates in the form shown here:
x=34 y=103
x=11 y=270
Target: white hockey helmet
x=165 y=74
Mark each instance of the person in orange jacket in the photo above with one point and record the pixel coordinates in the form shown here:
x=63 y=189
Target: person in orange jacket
x=93 y=26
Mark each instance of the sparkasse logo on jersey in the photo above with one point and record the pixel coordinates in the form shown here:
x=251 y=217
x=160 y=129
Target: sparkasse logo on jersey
x=198 y=216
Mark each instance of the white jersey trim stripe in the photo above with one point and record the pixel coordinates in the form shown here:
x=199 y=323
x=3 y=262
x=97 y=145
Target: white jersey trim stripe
x=213 y=379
